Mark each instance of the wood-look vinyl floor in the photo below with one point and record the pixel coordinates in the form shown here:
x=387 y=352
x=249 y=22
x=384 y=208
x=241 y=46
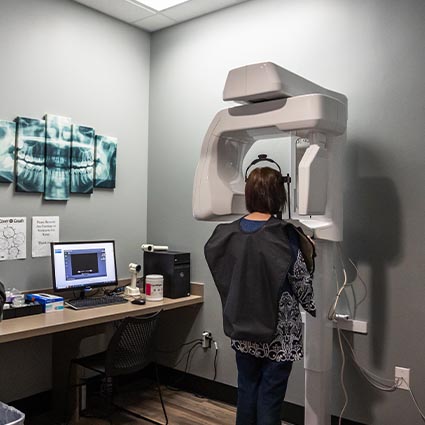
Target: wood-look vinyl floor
x=182 y=409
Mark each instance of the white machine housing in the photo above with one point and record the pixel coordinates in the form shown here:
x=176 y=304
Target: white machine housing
x=309 y=122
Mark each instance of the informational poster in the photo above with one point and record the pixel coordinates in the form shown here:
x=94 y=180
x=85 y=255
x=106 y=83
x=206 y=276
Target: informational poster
x=13 y=238
x=44 y=231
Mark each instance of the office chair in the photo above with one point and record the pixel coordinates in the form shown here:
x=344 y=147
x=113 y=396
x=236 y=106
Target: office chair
x=129 y=351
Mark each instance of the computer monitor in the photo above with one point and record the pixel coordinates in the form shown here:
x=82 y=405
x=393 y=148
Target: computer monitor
x=83 y=265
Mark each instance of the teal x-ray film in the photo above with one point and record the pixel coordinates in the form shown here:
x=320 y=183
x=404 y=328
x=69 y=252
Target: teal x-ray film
x=106 y=161
x=7 y=150
x=82 y=159
x=30 y=155
x=58 y=158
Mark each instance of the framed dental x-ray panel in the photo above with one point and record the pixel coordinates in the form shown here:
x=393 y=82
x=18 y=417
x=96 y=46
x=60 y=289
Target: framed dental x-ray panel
x=7 y=150
x=58 y=158
x=106 y=162
x=30 y=154
x=82 y=159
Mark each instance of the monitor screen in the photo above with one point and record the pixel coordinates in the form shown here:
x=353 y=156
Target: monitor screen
x=79 y=265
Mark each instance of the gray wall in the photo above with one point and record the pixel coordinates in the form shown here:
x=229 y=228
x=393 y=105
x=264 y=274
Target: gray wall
x=63 y=58
x=373 y=52
x=60 y=57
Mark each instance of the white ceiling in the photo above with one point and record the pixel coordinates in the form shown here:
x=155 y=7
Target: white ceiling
x=151 y=20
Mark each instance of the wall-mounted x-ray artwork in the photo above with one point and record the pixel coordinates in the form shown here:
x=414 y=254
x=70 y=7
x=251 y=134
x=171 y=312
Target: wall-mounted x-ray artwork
x=82 y=159
x=7 y=150
x=58 y=158
x=30 y=154
x=55 y=157
x=106 y=160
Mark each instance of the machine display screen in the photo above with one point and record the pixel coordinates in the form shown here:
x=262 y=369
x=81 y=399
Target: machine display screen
x=83 y=264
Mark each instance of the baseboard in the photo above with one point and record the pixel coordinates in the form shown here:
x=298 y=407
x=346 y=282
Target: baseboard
x=34 y=405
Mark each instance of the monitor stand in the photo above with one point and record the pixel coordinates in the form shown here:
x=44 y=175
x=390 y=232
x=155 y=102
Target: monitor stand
x=83 y=292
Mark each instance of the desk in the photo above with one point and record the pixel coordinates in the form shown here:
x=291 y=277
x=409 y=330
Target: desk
x=69 y=327
x=68 y=319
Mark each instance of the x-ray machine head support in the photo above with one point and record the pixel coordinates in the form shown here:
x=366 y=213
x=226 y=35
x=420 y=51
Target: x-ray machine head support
x=277 y=104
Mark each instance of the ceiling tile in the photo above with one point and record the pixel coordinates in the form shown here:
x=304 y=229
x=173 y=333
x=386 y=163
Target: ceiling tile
x=194 y=8
x=120 y=9
x=146 y=18
x=160 y=5
x=155 y=22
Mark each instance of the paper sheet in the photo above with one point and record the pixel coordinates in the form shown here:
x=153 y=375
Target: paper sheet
x=44 y=231
x=13 y=238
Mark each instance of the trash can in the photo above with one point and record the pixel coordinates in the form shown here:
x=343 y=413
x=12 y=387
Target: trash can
x=10 y=416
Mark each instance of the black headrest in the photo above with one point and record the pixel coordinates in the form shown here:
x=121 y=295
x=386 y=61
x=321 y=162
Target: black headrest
x=262 y=157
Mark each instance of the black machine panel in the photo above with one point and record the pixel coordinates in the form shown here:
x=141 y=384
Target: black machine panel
x=174 y=266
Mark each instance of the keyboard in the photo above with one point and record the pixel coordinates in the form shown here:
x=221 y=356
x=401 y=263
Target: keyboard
x=92 y=302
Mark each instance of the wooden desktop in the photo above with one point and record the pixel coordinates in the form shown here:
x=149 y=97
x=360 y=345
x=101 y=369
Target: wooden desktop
x=68 y=319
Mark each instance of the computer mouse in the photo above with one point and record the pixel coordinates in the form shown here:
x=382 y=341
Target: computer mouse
x=138 y=301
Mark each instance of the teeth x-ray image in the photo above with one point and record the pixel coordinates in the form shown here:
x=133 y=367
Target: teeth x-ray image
x=7 y=150
x=82 y=159
x=30 y=155
x=58 y=158
x=106 y=161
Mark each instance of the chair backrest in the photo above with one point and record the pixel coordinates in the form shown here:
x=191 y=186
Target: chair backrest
x=2 y=298
x=132 y=345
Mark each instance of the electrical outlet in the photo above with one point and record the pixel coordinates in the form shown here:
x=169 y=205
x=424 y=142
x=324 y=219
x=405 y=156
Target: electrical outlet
x=404 y=375
x=206 y=339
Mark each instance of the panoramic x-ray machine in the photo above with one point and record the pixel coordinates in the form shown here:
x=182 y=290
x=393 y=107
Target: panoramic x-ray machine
x=302 y=127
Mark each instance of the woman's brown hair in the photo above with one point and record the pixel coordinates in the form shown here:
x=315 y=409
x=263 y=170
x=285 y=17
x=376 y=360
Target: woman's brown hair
x=265 y=191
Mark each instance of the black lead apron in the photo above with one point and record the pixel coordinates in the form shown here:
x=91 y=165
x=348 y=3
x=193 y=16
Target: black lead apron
x=249 y=270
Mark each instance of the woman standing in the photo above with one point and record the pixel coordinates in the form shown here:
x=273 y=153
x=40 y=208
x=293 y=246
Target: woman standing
x=262 y=278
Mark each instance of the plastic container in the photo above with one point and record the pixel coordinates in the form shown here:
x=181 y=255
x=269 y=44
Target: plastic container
x=154 y=287
x=10 y=416
x=18 y=300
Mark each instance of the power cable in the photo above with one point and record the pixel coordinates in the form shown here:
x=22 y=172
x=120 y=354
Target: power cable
x=376 y=381
x=180 y=346
x=188 y=359
x=373 y=379
x=414 y=400
x=215 y=359
x=332 y=310
x=187 y=353
x=342 y=378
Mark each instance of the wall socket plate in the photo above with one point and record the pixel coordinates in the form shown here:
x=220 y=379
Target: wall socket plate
x=402 y=372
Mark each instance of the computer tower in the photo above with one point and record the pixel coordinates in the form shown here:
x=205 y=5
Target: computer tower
x=174 y=266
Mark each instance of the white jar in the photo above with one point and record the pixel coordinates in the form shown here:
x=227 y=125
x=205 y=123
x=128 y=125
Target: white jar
x=154 y=287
